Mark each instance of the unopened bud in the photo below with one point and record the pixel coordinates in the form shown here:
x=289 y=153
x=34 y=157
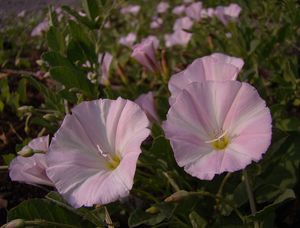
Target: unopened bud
x=177 y=196
x=152 y=210
x=26 y=152
x=164 y=66
x=17 y=223
x=25 y=109
x=50 y=117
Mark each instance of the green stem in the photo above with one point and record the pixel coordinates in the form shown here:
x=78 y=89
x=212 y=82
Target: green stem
x=220 y=191
x=250 y=196
x=3 y=167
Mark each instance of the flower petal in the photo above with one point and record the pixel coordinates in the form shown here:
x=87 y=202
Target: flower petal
x=213 y=67
x=30 y=170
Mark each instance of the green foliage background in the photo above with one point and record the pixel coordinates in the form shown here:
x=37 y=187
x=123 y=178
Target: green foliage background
x=266 y=36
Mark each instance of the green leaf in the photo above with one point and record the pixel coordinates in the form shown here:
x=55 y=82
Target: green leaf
x=82 y=36
x=56 y=41
x=81 y=19
x=72 y=78
x=51 y=98
x=139 y=217
x=56 y=59
x=91 y=7
x=288 y=194
x=96 y=216
x=196 y=220
x=42 y=209
x=8 y=158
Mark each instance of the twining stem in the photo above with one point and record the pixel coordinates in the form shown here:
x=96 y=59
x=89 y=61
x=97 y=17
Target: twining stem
x=171 y=181
x=220 y=191
x=250 y=196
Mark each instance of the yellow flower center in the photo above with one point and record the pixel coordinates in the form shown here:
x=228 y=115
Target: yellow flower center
x=113 y=162
x=221 y=143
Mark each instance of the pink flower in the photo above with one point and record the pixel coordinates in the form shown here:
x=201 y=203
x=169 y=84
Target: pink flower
x=209 y=12
x=162 y=7
x=214 y=67
x=105 y=61
x=128 y=40
x=183 y=23
x=194 y=11
x=40 y=28
x=145 y=52
x=146 y=102
x=130 y=9
x=218 y=126
x=228 y=13
x=179 y=37
x=178 y=9
x=156 y=22
x=154 y=39
x=92 y=157
x=32 y=170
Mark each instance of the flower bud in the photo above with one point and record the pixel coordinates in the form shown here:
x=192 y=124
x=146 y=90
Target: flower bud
x=25 y=109
x=144 y=53
x=16 y=223
x=26 y=152
x=152 y=210
x=177 y=196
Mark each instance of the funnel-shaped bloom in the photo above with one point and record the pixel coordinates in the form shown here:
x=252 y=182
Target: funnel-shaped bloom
x=105 y=60
x=214 y=67
x=194 y=11
x=177 y=10
x=146 y=102
x=92 y=157
x=31 y=170
x=228 y=13
x=218 y=126
x=128 y=40
x=144 y=53
x=130 y=9
x=162 y=7
x=183 y=23
x=179 y=37
x=156 y=22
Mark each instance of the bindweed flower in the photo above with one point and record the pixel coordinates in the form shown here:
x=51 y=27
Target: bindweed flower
x=228 y=13
x=214 y=67
x=194 y=11
x=128 y=40
x=179 y=37
x=162 y=7
x=177 y=10
x=156 y=22
x=92 y=157
x=154 y=39
x=32 y=170
x=145 y=52
x=40 y=28
x=209 y=12
x=218 y=126
x=130 y=9
x=105 y=60
x=183 y=23
x=146 y=102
